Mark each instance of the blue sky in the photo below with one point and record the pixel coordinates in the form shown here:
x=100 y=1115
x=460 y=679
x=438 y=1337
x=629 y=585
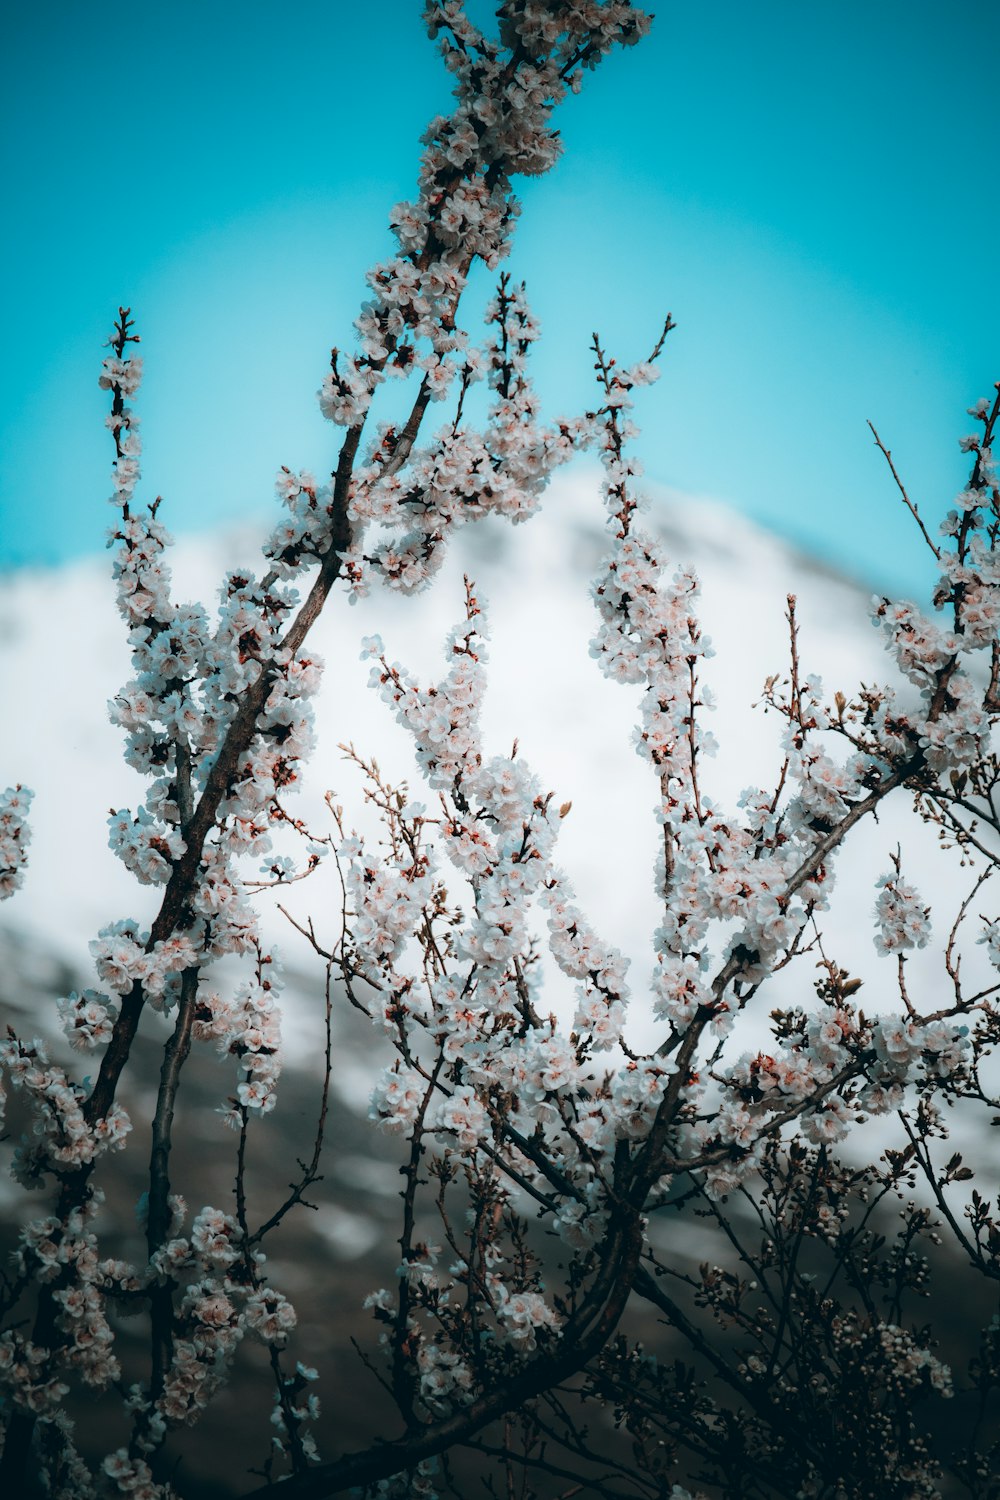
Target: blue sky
x=808 y=189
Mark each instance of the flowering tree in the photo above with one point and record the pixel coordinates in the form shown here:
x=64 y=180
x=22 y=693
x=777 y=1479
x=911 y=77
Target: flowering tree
x=545 y=1156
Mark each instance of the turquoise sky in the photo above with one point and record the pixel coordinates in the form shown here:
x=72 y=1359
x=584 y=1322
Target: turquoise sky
x=809 y=189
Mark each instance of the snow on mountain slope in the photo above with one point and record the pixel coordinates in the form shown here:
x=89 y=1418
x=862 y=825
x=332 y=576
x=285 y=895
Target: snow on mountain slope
x=63 y=654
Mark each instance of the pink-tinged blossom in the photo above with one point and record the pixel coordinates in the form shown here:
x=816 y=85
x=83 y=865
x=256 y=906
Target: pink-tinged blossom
x=960 y=735
x=269 y=1315
x=521 y=1315
x=63 y=1137
x=903 y=921
x=578 y=1225
x=145 y=846
x=387 y=897
x=602 y=997
x=828 y=1123
x=445 y=1378
x=636 y=1091
x=679 y=989
x=216 y=1237
x=23 y=1371
x=919 y=646
x=346 y=394
x=462 y=1118
x=898 y=1043
x=88 y=1019
x=249 y=1030
x=126 y=374
x=912 y=1366
x=397 y=1098
x=824 y=788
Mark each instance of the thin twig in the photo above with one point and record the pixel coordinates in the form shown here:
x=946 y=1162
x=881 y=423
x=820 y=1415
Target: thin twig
x=910 y=505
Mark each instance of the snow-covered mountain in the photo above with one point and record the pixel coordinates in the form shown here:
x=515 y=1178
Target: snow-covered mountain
x=63 y=654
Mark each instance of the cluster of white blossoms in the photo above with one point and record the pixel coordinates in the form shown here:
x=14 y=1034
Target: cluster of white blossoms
x=498 y=832
x=739 y=894
x=216 y=715
x=485 y=1077
x=175 y=711
x=189 y=679
x=445 y=1378
x=506 y=90
x=15 y=836
x=464 y=473
x=903 y=920
x=710 y=872
x=125 y=957
x=953 y=727
x=88 y=1019
x=522 y=1314
x=63 y=1135
x=910 y=1364
x=249 y=1029
x=846 y=1067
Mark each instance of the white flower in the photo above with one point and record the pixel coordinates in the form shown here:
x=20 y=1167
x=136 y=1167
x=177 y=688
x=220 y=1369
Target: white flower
x=522 y=1314
x=903 y=922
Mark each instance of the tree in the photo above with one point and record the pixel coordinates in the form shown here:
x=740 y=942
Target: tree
x=801 y=1369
